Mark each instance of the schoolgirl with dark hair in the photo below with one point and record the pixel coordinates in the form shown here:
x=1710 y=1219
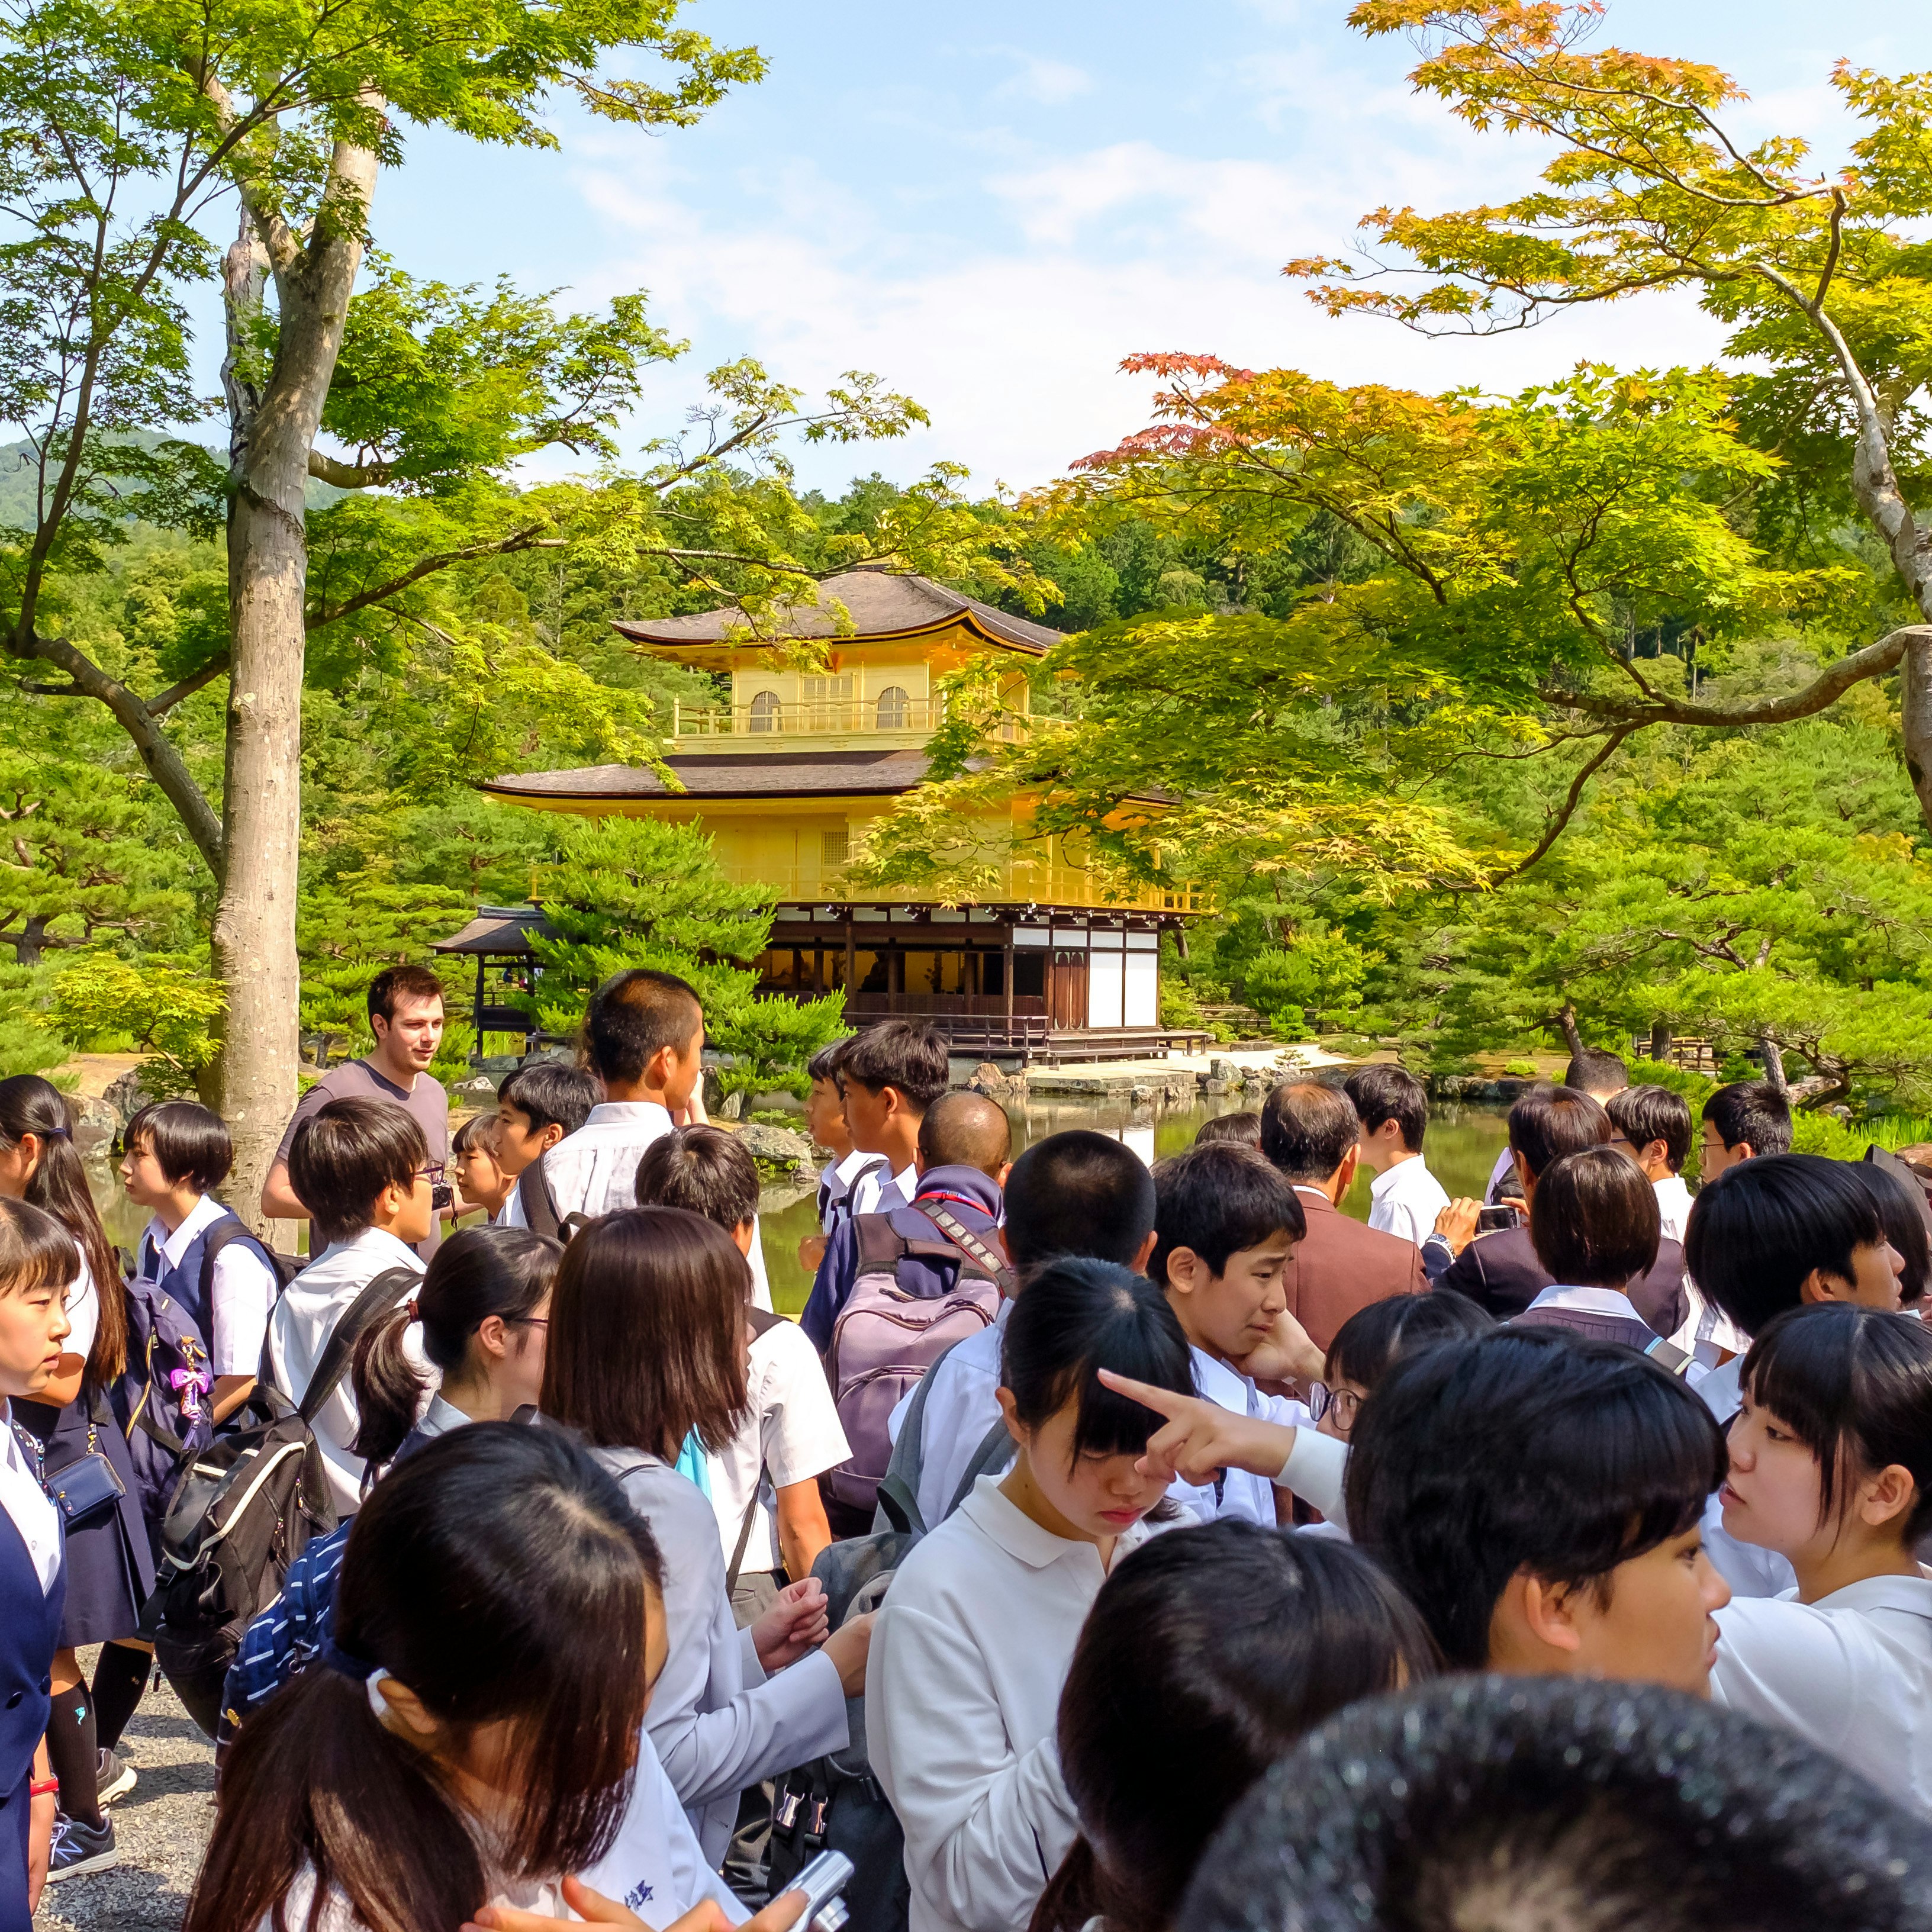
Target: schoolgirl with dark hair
x=37 y=1263
x=647 y=1347
x=484 y=1307
x=1237 y=1639
x=1368 y=1344
x=469 y=1730
x=979 y=1626
x=109 y=1564
x=1831 y=1466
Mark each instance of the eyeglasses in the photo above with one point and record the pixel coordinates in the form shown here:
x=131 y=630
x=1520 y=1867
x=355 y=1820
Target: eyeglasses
x=1343 y=1402
x=527 y=1321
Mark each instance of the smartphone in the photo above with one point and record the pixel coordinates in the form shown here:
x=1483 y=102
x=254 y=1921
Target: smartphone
x=822 y=1882
x=1504 y=1214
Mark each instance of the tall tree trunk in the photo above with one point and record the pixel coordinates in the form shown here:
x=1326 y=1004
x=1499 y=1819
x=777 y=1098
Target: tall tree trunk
x=1567 y=1020
x=1660 y=1040
x=254 y=937
x=1914 y=712
x=1774 y=1063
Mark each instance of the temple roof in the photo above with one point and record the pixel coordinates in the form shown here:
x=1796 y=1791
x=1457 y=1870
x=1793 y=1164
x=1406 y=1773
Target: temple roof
x=882 y=604
x=777 y=775
x=497 y=930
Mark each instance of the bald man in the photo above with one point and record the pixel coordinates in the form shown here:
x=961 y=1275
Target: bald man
x=964 y=1149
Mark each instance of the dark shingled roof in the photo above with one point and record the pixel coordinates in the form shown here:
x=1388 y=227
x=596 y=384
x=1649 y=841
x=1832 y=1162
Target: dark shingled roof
x=781 y=775
x=497 y=929
x=882 y=603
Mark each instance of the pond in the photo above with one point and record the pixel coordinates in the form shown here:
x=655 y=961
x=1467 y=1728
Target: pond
x=1461 y=1146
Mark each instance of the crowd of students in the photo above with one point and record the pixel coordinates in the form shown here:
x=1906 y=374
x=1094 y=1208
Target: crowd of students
x=1156 y=1478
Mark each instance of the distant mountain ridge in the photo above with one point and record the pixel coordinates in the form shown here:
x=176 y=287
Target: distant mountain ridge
x=16 y=478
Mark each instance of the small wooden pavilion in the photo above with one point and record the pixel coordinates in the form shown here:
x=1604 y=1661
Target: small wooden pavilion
x=498 y=939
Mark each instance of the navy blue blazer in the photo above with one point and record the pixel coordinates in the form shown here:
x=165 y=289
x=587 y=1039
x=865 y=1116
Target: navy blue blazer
x=30 y=1622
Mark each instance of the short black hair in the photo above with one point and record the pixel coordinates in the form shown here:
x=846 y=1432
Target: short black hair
x=1855 y=1386
x=1593 y=1071
x=704 y=1170
x=1217 y=1200
x=823 y=1065
x=1900 y=1201
x=635 y=1015
x=1641 y=1115
x=1077 y=1317
x=1383 y=1093
x=1375 y=1336
x=343 y=1155
x=912 y=1056
x=1750 y=1113
x=1548 y=1122
x=550 y=1094
x=190 y=1142
x=1595 y=1221
x=401 y=982
x=1524 y=1450
x=1307 y=1129
x=1079 y=1192
x=1243 y=1128
x=966 y=1130
x=479 y=1131
x=1599 y=1806
x=1762 y=1226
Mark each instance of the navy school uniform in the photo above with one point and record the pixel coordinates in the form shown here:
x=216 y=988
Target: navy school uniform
x=30 y=1621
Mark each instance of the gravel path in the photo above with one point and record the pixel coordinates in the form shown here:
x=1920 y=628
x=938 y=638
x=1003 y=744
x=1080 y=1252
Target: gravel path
x=160 y=1827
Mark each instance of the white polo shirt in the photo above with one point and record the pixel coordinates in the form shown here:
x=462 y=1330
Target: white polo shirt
x=1852 y=1673
x=1673 y=1205
x=1404 y=1200
x=1240 y=1493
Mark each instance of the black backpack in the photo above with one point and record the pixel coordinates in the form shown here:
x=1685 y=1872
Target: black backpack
x=242 y=1510
x=540 y=1214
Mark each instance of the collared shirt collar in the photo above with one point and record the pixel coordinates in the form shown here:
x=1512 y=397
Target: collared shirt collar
x=380 y=1245
x=1015 y=1532
x=849 y=1167
x=1587 y=1301
x=1314 y=1193
x=440 y=1417
x=204 y=1213
x=1911 y=1594
x=607 y=1112
x=1226 y=1388
x=981 y=1189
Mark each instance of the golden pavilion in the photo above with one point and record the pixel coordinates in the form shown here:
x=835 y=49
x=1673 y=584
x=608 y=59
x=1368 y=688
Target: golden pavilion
x=787 y=775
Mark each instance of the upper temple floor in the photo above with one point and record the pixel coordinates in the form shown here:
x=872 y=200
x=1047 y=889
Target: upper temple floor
x=877 y=686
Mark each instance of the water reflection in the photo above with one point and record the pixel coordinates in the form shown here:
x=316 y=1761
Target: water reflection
x=1462 y=1147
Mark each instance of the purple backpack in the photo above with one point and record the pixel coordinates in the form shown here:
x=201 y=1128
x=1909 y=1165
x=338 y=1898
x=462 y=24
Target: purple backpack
x=885 y=1338
x=162 y=1399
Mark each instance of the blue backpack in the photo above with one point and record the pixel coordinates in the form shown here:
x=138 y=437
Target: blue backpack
x=164 y=1396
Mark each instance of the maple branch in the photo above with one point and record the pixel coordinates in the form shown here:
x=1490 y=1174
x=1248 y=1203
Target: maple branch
x=519 y=540
x=166 y=701
x=342 y=476
x=1566 y=811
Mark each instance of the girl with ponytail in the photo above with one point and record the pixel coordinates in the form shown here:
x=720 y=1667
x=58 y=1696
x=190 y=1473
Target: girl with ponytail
x=469 y=1731
x=485 y=1310
x=109 y=1563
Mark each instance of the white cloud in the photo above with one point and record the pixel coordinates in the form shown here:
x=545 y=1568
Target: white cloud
x=1047 y=82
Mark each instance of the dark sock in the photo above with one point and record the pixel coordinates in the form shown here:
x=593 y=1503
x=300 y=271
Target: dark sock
x=119 y=1679
x=74 y=1754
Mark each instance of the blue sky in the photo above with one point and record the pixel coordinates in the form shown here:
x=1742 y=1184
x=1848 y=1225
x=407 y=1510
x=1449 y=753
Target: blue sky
x=990 y=206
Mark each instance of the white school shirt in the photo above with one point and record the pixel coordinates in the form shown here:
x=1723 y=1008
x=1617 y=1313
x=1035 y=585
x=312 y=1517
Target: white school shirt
x=337 y=1914
x=1505 y=1162
x=790 y=1433
x=1404 y=1200
x=28 y=1505
x=299 y=1330
x=594 y=1171
x=1673 y=1205
x=898 y=1192
x=242 y=1290
x=718 y=1722
x=1611 y=1302
x=1852 y=1673
x=656 y=1866
x=851 y=1184
x=1242 y=1495
x=968 y=1657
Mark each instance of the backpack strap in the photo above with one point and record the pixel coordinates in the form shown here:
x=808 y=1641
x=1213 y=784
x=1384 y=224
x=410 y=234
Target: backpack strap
x=995 y=1452
x=223 y=1233
x=375 y=1300
x=898 y=1487
x=988 y=1258
x=539 y=1204
x=761 y=1322
x=881 y=1247
x=1668 y=1357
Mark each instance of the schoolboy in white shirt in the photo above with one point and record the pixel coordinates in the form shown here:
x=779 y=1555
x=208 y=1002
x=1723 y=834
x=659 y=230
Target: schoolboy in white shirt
x=849 y=1183
x=1225 y=1224
x=1405 y=1197
x=362 y=1168
x=1653 y=1126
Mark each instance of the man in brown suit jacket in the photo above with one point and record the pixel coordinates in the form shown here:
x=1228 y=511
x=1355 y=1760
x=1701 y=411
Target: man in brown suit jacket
x=1310 y=1133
